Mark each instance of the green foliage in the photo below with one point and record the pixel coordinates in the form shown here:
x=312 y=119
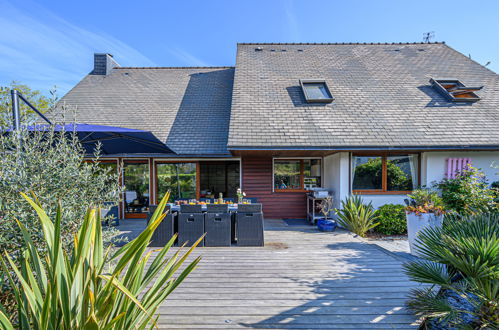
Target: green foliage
x=460 y=257
x=51 y=164
x=391 y=218
x=468 y=193
x=369 y=175
x=495 y=191
x=425 y=201
x=86 y=288
x=357 y=216
x=36 y=98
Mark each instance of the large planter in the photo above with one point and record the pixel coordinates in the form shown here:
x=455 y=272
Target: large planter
x=416 y=223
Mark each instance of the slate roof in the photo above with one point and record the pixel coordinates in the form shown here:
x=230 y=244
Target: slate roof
x=383 y=98
x=187 y=108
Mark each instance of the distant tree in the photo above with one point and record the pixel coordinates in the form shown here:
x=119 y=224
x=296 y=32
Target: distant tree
x=369 y=175
x=42 y=102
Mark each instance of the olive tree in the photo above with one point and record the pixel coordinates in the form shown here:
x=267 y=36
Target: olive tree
x=50 y=165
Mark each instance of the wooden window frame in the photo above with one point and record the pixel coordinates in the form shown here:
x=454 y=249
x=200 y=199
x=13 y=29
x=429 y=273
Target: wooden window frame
x=384 y=175
x=302 y=174
x=123 y=162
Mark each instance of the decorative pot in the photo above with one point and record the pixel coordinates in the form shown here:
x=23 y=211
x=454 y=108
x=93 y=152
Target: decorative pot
x=416 y=223
x=326 y=225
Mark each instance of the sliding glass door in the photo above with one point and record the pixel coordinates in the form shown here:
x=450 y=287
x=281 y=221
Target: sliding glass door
x=179 y=178
x=136 y=180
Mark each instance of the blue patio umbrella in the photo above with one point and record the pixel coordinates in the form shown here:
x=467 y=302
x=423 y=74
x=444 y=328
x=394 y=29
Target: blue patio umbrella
x=113 y=140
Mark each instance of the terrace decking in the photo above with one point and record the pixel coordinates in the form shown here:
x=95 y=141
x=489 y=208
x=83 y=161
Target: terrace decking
x=301 y=279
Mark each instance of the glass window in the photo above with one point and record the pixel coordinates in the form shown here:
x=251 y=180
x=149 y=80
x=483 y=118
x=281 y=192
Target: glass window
x=401 y=172
x=287 y=174
x=179 y=178
x=316 y=91
x=136 y=177
x=385 y=173
x=367 y=173
x=312 y=173
x=299 y=174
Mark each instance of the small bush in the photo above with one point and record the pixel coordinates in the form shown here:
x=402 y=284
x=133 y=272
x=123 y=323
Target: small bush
x=467 y=194
x=357 y=216
x=425 y=201
x=391 y=220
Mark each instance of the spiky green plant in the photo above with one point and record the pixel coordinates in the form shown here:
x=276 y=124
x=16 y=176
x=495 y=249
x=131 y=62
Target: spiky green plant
x=357 y=216
x=461 y=257
x=88 y=288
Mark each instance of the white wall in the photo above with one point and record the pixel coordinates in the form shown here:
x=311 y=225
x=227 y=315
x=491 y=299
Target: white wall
x=380 y=200
x=433 y=168
x=336 y=177
x=435 y=164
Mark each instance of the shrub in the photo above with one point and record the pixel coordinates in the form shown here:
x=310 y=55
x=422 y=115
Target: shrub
x=357 y=216
x=424 y=201
x=86 y=289
x=391 y=218
x=51 y=165
x=468 y=193
x=461 y=260
x=495 y=191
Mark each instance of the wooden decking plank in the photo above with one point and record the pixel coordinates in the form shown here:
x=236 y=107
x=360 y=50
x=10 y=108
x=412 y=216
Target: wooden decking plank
x=301 y=279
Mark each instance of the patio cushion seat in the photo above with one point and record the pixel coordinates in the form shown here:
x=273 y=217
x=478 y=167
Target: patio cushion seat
x=249 y=225
x=188 y=208
x=218 y=229
x=165 y=230
x=190 y=228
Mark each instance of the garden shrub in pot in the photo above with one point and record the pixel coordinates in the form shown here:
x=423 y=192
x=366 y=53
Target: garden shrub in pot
x=391 y=219
x=460 y=268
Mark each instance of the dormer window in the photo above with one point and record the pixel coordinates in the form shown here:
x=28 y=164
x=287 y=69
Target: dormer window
x=316 y=91
x=455 y=91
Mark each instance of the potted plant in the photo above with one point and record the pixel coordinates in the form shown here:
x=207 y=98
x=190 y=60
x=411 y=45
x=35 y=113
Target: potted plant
x=424 y=209
x=240 y=195
x=325 y=223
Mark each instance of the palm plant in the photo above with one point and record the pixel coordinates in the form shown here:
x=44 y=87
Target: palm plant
x=88 y=288
x=461 y=259
x=357 y=216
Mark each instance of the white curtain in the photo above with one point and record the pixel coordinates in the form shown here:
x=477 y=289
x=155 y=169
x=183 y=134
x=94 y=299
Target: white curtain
x=354 y=165
x=413 y=162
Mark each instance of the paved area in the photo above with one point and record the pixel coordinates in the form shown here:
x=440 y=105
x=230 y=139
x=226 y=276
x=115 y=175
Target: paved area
x=301 y=279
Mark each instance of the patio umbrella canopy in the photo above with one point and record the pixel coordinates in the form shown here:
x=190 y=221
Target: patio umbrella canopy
x=114 y=140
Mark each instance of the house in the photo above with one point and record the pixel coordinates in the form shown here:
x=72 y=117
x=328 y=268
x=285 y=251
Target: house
x=371 y=119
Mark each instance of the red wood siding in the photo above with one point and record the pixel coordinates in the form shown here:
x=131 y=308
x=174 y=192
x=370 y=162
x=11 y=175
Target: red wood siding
x=257 y=182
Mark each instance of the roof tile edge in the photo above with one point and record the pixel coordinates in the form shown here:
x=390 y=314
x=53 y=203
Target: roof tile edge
x=341 y=43
x=174 y=67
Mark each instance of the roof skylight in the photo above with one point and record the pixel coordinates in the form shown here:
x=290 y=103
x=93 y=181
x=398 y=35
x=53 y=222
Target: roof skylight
x=455 y=90
x=316 y=91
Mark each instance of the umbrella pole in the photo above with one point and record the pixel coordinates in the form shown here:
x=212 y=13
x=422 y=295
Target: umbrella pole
x=178 y=181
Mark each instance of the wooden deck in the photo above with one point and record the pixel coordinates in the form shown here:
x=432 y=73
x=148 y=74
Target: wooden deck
x=301 y=279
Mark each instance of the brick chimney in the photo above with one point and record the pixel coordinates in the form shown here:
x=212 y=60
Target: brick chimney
x=103 y=64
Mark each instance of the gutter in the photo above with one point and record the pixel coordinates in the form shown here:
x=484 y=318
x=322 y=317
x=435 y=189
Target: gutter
x=365 y=148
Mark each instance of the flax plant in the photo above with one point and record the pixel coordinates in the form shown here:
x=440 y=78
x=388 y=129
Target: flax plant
x=357 y=216
x=90 y=287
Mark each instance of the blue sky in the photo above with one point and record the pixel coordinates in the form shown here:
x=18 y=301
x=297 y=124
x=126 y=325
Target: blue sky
x=51 y=42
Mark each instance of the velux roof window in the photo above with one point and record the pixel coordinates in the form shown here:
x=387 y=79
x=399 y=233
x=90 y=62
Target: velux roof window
x=455 y=91
x=316 y=91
